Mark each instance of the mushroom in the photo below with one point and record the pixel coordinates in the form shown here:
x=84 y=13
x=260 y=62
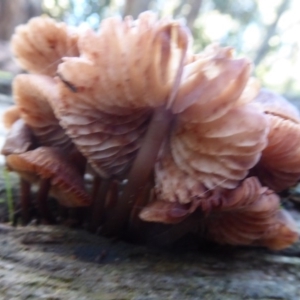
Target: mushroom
x=220 y=136
x=251 y=215
x=36 y=127
x=19 y=139
x=126 y=72
x=279 y=166
x=138 y=104
x=40 y=45
x=32 y=94
x=49 y=168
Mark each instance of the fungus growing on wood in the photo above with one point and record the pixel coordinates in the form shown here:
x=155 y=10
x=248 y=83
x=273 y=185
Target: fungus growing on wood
x=279 y=166
x=251 y=215
x=40 y=45
x=32 y=94
x=19 y=139
x=176 y=135
x=50 y=168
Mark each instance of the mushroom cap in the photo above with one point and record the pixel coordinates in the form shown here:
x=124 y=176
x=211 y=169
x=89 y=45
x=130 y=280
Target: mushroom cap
x=19 y=139
x=40 y=45
x=213 y=81
x=67 y=184
x=219 y=134
x=219 y=153
x=32 y=94
x=109 y=142
x=107 y=94
x=128 y=64
x=279 y=166
x=252 y=216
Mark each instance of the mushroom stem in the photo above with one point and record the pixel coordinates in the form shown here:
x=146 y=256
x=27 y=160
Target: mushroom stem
x=141 y=169
x=25 y=187
x=143 y=198
x=98 y=204
x=41 y=201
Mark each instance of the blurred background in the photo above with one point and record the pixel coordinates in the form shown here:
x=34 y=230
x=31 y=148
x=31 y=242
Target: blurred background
x=265 y=31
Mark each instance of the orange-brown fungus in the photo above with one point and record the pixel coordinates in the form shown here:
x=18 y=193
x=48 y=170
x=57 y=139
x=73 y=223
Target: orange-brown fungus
x=19 y=139
x=172 y=137
x=40 y=45
x=32 y=94
x=67 y=185
x=251 y=215
x=279 y=166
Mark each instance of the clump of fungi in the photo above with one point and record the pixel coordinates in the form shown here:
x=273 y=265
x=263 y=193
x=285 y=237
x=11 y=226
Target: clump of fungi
x=167 y=136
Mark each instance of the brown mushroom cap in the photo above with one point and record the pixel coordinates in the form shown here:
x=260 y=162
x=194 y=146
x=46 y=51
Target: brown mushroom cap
x=19 y=139
x=279 y=166
x=109 y=142
x=251 y=216
x=218 y=135
x=32 y=94
x=106 y=100
x=128 y=64
x=67 y=184
x=213 y=81
x=40 y=45
x=220 y=153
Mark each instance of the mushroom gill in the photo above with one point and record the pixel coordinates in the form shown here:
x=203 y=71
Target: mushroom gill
x=279 y=166
x=40 y=45
x=32 y=94
x=138 y=104
x=108 y=94
x=251 y=216
x=67 y=184
x=127 y=72
x=19 y=139
x=177 y=194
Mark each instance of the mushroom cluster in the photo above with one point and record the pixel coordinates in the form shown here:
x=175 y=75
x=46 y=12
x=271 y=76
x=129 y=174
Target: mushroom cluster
x=168 y=136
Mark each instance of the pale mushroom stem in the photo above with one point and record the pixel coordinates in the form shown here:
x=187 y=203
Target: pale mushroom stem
x=99 y=204
x=41 y=201
x=141 y=170
x=25 y=200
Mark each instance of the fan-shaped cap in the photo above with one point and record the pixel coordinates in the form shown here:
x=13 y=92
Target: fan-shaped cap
x=67 y=184
x=279 y=166
x=108 y=93
x=32 y=94
x=40 y=45
x=219 y=153
x=19 y=139
x=213 y=81
x=129 y=64
x=251 y=215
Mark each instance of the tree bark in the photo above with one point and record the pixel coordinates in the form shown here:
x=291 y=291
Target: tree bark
x=13 y=13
